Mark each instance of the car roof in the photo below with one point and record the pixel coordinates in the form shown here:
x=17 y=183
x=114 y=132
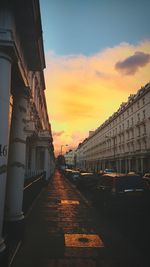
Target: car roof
x=114 y=174
x=117 y=175
x=147 y=174
x=86 y=173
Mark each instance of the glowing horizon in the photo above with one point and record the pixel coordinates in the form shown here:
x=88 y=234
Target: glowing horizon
x=83 y=91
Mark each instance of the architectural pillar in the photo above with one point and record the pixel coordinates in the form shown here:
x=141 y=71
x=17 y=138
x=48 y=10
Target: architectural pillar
x=104 y=165
x=129 y=165
x=120 y=166
x=47 y=163
x=33 y=159
x=5 y=85
x=142 y=169
x=16 y=166
x=137 y=167
x=117 y=165
x=126 y=165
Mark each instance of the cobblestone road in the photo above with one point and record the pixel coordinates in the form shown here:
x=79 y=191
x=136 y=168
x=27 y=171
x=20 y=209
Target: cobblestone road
x=63 y=230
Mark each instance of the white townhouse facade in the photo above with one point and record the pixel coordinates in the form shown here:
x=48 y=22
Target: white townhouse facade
x=26 y=144
x=70 y=158
x=123 y=141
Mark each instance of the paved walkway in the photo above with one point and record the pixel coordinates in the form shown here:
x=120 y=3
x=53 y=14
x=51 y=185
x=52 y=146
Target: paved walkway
x=63 y=231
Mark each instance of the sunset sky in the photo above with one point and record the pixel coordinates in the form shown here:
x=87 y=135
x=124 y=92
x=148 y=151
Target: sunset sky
x=97 y=54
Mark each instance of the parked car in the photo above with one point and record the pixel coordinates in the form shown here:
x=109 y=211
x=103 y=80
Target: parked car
x=74 y=176
x=67 y=172
x=116 y=191
x=109 y=171
x=86 y=180
x=147 y=176
x=146 y=182
x=132 y=173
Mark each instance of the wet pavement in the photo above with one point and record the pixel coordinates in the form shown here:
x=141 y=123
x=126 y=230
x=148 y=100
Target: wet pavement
x=64 y=230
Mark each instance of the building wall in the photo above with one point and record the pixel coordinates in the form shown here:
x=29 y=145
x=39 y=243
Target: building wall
x=26 y=143
x=123 y=141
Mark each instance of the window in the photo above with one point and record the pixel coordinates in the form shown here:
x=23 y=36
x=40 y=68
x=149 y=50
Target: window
x=138 y=104
x=144 y=129
x=40 y=158
x=144 y=114
x=138 y=117
x=143 y=100
x=132 y=134
x=139 y=145
x=132 y=121
x=129 y=147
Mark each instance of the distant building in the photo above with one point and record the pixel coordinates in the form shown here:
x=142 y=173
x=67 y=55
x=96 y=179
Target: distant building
x=26 y=143
x=70 y=158
x=123 y=141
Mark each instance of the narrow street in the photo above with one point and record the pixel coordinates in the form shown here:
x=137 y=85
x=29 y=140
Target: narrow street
x=63 y=229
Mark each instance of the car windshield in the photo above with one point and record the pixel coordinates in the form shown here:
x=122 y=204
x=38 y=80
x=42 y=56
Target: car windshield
x=109 y=171
x=75 y=173
x=129 y=182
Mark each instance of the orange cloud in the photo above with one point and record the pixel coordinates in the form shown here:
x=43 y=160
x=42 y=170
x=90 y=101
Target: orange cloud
x=83 y=91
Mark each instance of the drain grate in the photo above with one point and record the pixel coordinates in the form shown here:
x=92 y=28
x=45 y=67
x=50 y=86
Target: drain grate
x=83 y=240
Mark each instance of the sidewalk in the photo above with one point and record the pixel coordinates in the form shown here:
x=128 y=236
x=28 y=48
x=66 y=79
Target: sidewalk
x=63 y=230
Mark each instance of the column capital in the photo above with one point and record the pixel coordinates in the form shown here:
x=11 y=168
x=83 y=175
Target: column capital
x=5 y=56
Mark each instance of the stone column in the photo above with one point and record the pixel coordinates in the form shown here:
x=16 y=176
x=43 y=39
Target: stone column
x=126 y=165
x=117 y=165
x=5 y=85
x=129 y=164
x=142 y=170
x=47 y=163
x=16 y=166
x=33 y=160
x=137 y=167
x=120 y=166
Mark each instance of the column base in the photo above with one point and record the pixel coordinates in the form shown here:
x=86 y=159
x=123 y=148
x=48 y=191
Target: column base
x=15 y=229
x=3 y=254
